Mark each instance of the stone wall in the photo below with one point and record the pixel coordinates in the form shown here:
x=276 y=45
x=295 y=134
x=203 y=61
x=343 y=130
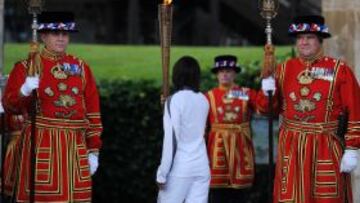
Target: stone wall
x=343 y=19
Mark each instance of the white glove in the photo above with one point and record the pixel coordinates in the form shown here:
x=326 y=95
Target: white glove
x=349 y=161
x=268 y=84
x=29 y=85
x=1 y=108
x=93 y=162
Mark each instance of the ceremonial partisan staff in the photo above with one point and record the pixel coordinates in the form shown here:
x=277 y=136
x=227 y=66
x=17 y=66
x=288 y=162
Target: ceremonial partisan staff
x=3 y=136
x=268 y=12
x=2 y=113
x=3 y=150
x=34 y=8
x=165 y=12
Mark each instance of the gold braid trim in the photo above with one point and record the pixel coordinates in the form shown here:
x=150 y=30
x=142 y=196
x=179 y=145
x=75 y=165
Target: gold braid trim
x=317 y=128
x=330 y=102
x=213 y=105
x=46 y=122
x=281 y=81
x=93 y=125
x=243 y=128
x=52 y=56
x=93 y=114
x=310 y=60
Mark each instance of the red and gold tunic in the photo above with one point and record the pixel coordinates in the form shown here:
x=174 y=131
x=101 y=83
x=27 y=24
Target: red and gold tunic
x=230 y=146
x=14 y=125
x=68 y=127
x=311 y=96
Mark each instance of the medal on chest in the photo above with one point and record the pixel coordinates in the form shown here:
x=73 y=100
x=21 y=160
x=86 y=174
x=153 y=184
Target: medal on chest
x=307 y=76
x=58 y=73
x=63 y=71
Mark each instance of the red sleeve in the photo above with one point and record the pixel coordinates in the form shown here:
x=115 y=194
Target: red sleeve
x=253 y=98
x=13 y=101
x=350 y=99
x=92 y=105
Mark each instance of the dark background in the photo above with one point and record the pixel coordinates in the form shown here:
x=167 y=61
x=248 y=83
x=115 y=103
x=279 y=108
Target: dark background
x=195 y=22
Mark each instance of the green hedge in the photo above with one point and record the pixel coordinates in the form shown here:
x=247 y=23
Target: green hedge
x=132 y=120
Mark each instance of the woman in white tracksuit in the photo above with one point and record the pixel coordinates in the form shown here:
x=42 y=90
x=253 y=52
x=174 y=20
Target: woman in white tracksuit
x=184 y=174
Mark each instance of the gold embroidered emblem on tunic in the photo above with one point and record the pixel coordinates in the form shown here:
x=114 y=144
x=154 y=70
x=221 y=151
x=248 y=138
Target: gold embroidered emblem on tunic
x=58 y=73
x=305 y=118
x=75 y=90
x=220 y=110
x=49 y=91
x=230 y=116
x=65 y=101
x=227 y=108
x=305 y=91
x=227 y=100
x=317 y=96
x=304 y=105
x=65 y=115
x=292 y=96
x=62 y=86
x=305 y=77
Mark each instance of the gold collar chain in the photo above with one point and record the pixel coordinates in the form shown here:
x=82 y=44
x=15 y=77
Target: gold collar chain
x=305 y=77
x=51 y=55
x=310 y=60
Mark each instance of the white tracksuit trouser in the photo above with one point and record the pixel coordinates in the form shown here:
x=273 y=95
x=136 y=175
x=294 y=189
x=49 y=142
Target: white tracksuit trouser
x=188 y=190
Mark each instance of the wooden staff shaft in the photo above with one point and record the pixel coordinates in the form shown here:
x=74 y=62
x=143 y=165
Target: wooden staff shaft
x=33 y=70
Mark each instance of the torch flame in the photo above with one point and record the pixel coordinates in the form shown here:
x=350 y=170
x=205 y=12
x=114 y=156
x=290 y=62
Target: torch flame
x=167 y=2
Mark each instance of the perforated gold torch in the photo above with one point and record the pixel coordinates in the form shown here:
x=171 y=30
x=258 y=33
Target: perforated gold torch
x=165 y=12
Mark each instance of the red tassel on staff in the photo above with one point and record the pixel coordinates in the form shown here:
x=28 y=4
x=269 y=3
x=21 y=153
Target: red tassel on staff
x=269 y=61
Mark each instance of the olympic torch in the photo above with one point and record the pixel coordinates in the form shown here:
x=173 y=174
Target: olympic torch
x=268 y=10
x=34 y=8
x=165 y=12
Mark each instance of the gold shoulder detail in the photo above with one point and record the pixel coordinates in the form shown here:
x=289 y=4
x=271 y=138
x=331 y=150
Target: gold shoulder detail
x=23 y=63
x=79 y=60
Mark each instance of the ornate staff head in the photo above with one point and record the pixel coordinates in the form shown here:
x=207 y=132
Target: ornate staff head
x=34 y=7
x=268 y=10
